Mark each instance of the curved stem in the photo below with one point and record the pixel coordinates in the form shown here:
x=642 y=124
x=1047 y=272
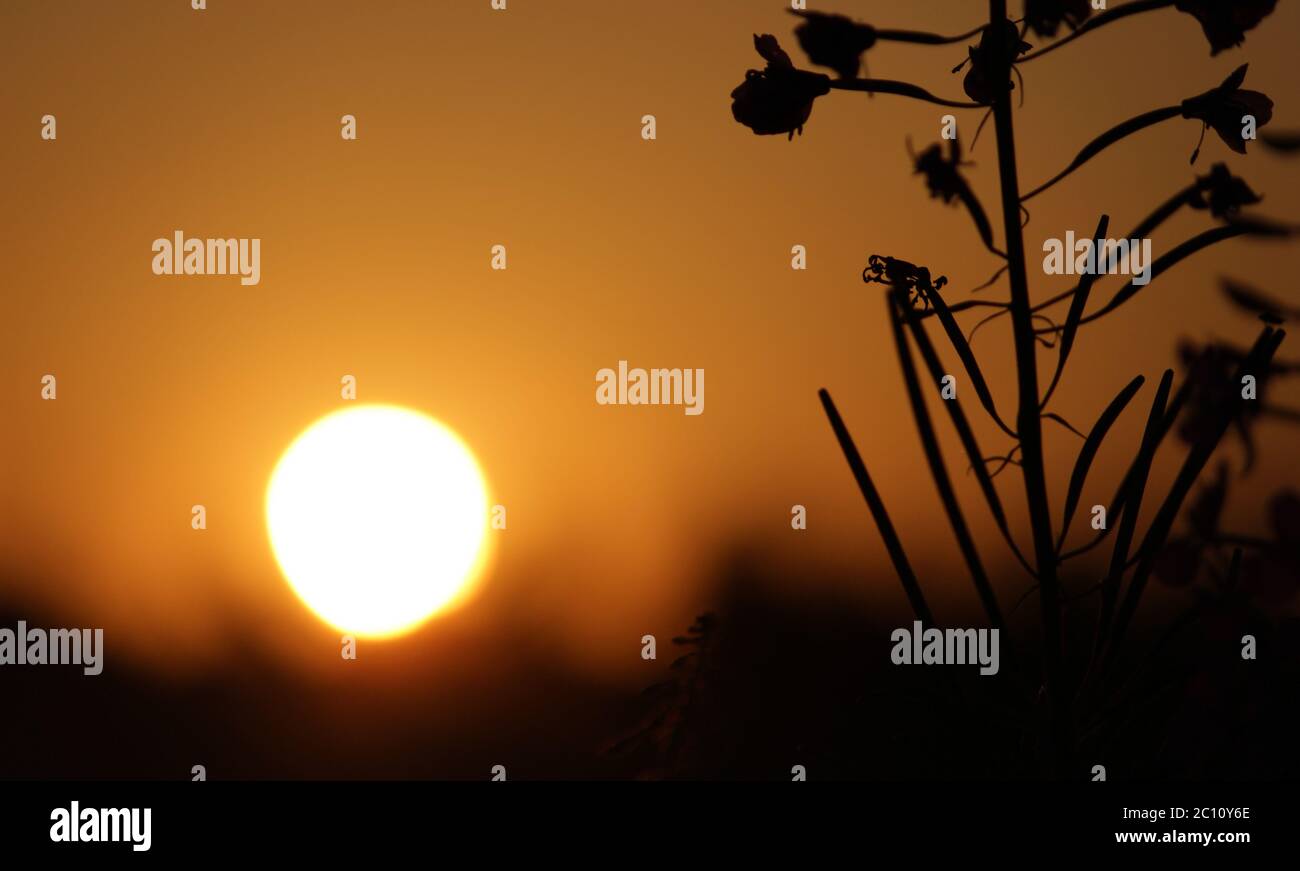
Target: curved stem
x=1107 y=139
x=922 y=38
x=1163 y=264
x=902 y=89
x=1101 y=21
x=1143 y=230
x=964 y=305
x=1164 y=212
x=1072 y=320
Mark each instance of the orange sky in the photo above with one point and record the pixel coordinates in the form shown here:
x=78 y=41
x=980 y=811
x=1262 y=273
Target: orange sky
x=523 y=128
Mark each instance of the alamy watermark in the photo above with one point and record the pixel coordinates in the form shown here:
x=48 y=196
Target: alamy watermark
x=1086 y=257
x=84 y=647
x=103 y=825
x=651 y=387
x=181 y=256
x=920 y=646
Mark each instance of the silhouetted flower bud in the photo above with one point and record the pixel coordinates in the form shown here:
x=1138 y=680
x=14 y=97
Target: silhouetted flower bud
x=1225 y=22
x=834 y=41
x=1046 y=16
x=779 y=98
x=1222 y=193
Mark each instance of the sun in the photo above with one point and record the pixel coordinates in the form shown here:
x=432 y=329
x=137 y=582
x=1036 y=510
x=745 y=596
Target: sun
x=377 y=516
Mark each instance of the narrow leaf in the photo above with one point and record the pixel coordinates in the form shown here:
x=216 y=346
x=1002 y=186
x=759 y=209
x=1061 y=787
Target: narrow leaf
x=896 y=308
x=1151 y=437
x=968 y=360
x=1252 y=300
x=966 y=434
x=1076 y=313
x=1087 y=453
x=1167 y=261
x=911 y=587
x=979 y=216
x=1258 y=360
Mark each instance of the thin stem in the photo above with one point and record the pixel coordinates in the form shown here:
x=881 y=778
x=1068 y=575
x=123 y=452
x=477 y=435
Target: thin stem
x=1162 y=213
x=1072 y=319
x=1029 y=424
x=1163 y=264
x=1102 y=20
x=920 y=38
x=1165 y=211
x=1107 y=139
x=965 y=305
x=902 y=89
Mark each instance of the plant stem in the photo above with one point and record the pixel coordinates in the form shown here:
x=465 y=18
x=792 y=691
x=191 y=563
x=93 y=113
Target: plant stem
x=922 y=38
x=1028 y=423
x=1107 y=139
x=1100 y=21
x=902 y=89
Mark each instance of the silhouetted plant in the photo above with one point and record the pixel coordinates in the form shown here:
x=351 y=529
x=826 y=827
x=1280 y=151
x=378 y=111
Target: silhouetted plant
x=665 y=730
x=1224 y=22
x=1221 y=108
x=944 y=179
x=1045 y=17
x=1078 y=686
x=1268 y=308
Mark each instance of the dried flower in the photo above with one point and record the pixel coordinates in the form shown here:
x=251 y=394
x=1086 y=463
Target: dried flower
x=1045 y=17
x=778 y=98
x=1210 y=370
x=834 y=41
x=1225 y=22
x=914 y=281
x=1222 y=193
x=944 y=179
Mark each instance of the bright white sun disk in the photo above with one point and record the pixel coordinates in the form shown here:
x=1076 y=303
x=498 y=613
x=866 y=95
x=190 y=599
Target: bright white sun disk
x=378 y=517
